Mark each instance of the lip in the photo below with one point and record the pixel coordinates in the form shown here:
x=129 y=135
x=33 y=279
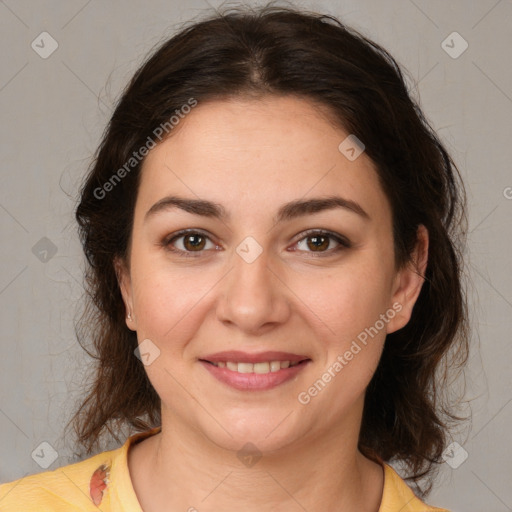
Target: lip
x=253 y=381
x=245 y=357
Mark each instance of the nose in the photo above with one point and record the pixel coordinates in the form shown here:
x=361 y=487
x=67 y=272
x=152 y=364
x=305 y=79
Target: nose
x=253 y=297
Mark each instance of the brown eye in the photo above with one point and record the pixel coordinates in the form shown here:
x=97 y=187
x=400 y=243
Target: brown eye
x=194 y=242
x=187 y=242
x=320 y=241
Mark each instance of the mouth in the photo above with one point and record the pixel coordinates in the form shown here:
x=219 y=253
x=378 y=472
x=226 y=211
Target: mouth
x=246 y=372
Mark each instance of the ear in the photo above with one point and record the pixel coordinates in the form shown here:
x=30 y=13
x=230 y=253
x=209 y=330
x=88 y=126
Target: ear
x=125 y=285
x=408 y=282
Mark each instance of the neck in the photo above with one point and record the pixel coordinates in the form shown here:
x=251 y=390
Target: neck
x=180 y=469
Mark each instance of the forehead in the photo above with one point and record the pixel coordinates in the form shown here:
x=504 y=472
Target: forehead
x=260 y=153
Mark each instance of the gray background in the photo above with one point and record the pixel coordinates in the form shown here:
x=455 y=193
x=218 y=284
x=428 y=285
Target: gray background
x=53 y=113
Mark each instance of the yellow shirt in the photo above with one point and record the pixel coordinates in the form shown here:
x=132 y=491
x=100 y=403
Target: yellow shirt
x=104 y=480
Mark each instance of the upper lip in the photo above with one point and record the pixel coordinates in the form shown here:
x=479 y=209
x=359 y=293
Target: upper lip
x=245 y=357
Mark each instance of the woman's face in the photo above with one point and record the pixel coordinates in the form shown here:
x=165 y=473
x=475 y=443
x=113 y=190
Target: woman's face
x=260 y=278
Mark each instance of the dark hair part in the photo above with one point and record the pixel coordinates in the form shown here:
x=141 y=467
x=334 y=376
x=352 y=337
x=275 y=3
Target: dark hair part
x=282 y=51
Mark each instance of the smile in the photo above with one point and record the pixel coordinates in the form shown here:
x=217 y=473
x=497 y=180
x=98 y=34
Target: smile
x=258 y=376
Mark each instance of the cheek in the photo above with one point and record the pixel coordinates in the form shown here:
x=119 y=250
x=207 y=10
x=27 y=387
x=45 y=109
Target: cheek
x=347 y=309
x=350 y=338
x=344 y=303
x=169 y=302
x=169 y=309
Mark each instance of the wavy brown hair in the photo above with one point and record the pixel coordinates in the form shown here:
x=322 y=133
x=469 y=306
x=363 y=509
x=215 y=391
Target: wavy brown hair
x=283 y=51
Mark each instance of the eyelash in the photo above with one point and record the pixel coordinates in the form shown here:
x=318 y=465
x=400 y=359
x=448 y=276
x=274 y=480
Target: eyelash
x=343 y=243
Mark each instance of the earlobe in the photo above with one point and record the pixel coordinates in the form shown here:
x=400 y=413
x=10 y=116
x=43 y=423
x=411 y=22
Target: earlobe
x=409 y=281
x=124 y=282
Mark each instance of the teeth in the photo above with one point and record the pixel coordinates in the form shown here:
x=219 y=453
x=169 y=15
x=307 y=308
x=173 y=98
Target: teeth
x=245 y=368
x=275 y=366
x=260 y=367
x=263 y=367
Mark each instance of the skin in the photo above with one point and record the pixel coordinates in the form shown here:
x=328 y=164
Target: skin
x=252 y=156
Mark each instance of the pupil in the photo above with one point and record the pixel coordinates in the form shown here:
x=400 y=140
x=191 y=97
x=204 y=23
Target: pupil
x=315 y=240
x=190 y=240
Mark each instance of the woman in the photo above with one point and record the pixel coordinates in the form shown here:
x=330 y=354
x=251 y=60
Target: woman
x=274 y=238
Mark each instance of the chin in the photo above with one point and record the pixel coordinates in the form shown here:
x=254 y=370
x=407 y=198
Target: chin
x=247 y=431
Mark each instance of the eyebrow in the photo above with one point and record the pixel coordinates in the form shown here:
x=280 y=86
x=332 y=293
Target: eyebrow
x=286 y=212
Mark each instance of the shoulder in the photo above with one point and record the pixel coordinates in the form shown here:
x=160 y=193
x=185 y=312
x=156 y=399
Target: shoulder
x=70 y=488
x=397 y=495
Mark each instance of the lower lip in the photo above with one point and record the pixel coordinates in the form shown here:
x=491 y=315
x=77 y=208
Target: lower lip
x=254 y=381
